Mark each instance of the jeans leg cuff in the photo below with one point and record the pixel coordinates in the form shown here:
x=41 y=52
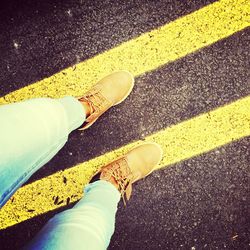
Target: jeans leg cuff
x=74 y=110
x=104 y=185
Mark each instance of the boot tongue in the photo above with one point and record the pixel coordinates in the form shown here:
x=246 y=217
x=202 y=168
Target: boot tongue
x=98 y=103
x=128 y=193
x=136 y=176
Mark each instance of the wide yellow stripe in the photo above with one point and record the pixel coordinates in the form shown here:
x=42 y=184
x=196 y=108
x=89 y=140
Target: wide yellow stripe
x=179 y=142
x=147 y=52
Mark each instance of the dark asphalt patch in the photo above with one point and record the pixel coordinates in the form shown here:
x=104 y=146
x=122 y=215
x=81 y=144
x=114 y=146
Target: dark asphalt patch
x=52 y=35
x=202 y=203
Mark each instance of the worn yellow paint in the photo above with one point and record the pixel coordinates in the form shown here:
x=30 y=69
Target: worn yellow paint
x=147 y=52
x=179 y=142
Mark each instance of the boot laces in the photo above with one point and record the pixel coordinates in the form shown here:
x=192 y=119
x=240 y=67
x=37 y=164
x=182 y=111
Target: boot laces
x=123 y=176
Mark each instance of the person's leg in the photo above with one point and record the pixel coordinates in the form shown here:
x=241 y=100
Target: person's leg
x=88 y=225
x=31 y=133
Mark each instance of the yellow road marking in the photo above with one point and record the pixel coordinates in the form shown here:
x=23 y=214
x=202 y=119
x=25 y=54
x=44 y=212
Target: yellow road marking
x=147 y=52
x=179 y=142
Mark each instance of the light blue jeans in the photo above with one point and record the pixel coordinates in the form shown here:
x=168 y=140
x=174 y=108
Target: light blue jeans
x=31 y=133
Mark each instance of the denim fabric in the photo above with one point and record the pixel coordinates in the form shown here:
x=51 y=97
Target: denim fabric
x=89 y=225
x=31 y=133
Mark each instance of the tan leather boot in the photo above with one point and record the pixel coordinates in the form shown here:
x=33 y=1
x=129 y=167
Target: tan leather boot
x=135 y=165
x=108 y=92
